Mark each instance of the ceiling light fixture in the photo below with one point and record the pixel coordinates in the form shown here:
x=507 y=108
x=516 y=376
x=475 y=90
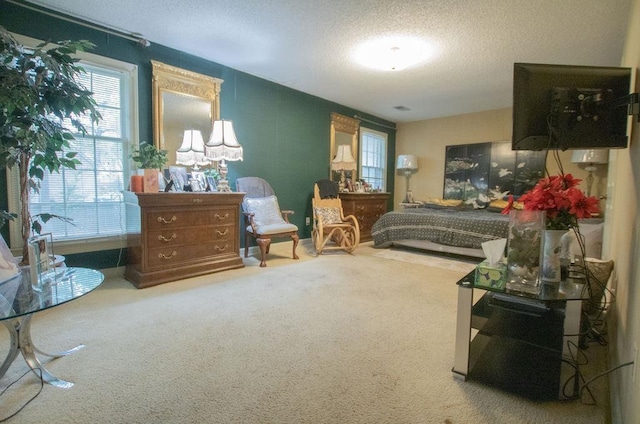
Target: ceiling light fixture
x=393 y=53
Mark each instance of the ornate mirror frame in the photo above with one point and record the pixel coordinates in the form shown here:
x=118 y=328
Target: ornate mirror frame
x=344 y=131
x=182 y=100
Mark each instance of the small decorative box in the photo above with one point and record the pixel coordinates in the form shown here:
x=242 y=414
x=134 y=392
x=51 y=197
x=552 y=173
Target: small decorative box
x=492 y=277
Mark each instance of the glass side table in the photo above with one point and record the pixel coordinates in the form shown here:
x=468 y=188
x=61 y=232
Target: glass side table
x=525 y=344
x=19 y=301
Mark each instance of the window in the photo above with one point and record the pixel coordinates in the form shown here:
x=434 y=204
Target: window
x=92 y=194
x=373 y=158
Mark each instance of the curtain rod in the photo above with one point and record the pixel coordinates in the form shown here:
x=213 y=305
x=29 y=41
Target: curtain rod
x=113 y=31
x=374 y=122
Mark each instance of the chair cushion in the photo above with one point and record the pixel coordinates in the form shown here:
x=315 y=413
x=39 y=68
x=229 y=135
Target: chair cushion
x=265 y=209
x=329 y=215
x=285 y=227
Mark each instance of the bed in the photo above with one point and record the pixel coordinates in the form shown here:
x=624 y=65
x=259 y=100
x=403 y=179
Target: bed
x=447 y=230
x=459 y=231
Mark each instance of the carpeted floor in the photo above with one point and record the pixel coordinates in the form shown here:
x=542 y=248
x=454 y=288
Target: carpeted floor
x=332 y=339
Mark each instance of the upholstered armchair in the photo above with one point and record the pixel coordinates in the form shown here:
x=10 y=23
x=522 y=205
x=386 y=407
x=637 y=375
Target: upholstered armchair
x=263 y=218
x=331 y=229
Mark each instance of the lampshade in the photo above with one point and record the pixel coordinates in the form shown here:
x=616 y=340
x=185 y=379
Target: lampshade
x=407 y=162
x=223 y=144
x=344 y=159
x=191 y=152
x=590 y=156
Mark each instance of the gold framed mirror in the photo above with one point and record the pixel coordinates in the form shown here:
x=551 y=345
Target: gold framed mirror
x=344 y=132
x=182 y=100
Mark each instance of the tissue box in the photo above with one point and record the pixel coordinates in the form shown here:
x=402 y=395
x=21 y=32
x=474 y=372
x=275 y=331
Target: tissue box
x=491 y=277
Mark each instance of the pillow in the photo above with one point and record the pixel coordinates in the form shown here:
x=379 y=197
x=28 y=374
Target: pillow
x=498 y=204
x=266 y=210
x=442 y=202
x=329 y=215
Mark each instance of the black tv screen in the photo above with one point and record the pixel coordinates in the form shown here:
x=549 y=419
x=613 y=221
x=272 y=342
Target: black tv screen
x=569 y=107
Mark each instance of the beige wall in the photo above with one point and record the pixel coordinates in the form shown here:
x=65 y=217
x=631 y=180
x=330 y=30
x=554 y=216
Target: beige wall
x=622 y=244
x=428 y=140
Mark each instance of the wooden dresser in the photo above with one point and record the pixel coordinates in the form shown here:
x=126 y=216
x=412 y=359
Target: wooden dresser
x=366 y=207
x=171 y=236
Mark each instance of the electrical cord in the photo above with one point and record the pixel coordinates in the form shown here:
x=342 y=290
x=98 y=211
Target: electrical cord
x=586 y=384
x=37 y=371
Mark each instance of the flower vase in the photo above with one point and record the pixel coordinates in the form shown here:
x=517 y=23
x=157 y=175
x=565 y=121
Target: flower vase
x=552 y=255
x=524 y=250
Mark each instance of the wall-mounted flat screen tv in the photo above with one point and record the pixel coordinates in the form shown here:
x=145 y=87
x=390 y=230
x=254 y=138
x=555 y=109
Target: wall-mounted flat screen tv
x=569 y=107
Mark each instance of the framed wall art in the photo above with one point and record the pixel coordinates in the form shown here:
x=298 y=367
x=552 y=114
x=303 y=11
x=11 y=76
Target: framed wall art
x=481 y=172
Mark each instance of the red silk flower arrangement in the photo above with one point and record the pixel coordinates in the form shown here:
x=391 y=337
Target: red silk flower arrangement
x=561 y=199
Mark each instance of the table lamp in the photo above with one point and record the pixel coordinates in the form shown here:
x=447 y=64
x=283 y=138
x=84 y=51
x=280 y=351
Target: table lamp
x=343 y=161
x=191 y=152
x=407 y=164
x=590 y=158
x=223 y=146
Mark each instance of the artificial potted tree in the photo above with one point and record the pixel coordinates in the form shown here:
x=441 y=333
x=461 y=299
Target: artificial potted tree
x=42 y=105
x=151 y=160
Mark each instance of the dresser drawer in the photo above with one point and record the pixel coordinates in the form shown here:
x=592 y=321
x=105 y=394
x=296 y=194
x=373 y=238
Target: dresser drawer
x=190 y=235
x=164 y=219
x=179 y=255
x=371 y=207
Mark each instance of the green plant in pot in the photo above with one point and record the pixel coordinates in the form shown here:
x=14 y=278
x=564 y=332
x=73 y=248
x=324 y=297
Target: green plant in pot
x=42 y=106
x=151 y=160
x=148 y=157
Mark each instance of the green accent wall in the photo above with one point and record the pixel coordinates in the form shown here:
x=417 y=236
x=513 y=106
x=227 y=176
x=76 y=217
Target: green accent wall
x=284 y=132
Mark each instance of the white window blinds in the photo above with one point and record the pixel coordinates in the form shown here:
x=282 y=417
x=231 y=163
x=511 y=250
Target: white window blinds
x=91 y=195
x=373 y=158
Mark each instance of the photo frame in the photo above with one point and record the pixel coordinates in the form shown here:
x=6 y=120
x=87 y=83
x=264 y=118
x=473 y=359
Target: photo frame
x=198 y=181
x=40 y=259
x=211 y=184
x=178 y=175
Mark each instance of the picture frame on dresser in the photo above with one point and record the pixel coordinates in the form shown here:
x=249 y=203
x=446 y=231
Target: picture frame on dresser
x=198 y=181
x=211 y=184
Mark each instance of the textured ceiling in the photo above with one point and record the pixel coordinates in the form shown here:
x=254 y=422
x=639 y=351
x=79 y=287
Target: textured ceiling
x=308 y=44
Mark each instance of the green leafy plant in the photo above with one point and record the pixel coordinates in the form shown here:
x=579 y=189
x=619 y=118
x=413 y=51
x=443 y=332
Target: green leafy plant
x=524 y=248
x=148 y=157
x=42 y=106
x=212 y=172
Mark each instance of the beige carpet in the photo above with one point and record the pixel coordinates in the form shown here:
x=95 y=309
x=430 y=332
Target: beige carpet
x=332 y=339
x=428 y=259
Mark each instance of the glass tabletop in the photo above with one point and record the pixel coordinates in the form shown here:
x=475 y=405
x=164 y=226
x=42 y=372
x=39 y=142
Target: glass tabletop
x=569 y=289
x=18 y=297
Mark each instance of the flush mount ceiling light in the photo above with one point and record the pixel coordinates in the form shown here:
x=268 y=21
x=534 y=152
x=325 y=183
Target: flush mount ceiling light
x=393 y=53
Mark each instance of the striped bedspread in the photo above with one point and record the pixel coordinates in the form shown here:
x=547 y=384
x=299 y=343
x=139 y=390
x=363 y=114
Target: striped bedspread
x=451 y=227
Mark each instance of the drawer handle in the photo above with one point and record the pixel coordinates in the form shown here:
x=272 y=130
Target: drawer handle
x=361 y=208
x=164 y=221
x=223 y=233
x=197 y=200
x=163 y=238
x=222 y=249
x=163 y=256
x=221 y=217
